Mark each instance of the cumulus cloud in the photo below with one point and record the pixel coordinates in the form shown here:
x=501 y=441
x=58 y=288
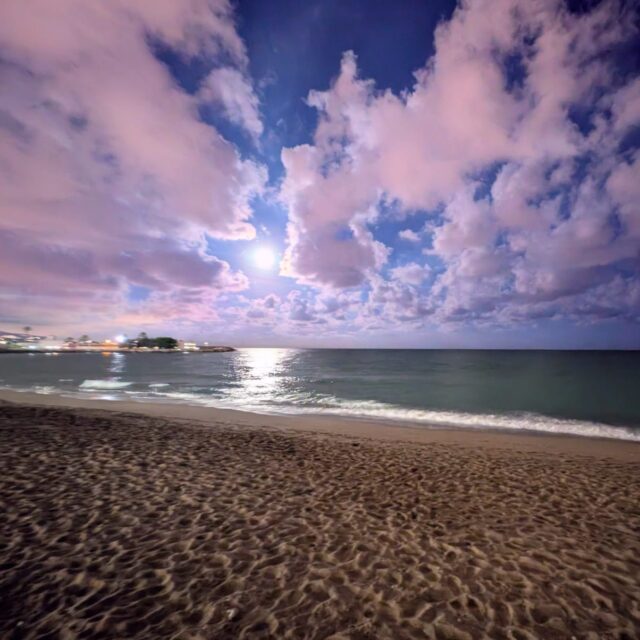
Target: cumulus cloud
x=109 y=177
x=410 y=273
x=513 y=133
x=517 y=141
x=265 y=310
x=409 y=235
x=624 y=188
x=329 y=209
x=230 y=87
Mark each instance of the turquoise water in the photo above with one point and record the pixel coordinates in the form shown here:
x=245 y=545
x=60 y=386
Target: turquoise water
x=582 y=392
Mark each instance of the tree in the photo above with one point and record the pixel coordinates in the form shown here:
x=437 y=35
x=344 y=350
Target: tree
x=142 y=335
x=69 y=339
x=84 y=338
x=145 y=342
x=26 y=329
x=166 y=342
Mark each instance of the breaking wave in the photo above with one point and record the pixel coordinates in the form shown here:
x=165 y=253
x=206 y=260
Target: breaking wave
x=306 y=404
x=104 y=384
x=513 y=422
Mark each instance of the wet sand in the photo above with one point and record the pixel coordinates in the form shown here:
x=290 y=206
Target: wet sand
x=158 y=521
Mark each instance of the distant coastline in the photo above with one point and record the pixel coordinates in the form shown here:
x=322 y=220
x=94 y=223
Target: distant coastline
x=207 y=349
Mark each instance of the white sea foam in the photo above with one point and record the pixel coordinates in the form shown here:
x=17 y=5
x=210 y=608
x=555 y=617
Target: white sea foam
x=293 y=403
x=104 y=384
x=190 y=398
x=514 y=421
x=302 y=403
x=46 y=389
x=37 y=388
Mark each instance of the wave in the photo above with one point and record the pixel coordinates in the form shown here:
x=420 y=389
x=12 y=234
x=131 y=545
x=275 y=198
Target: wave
x=301 y=403
x=104 y=384
x=36 y=388
x=45 y=388
x=190 y=398
x=439 y=418
x=320 y=404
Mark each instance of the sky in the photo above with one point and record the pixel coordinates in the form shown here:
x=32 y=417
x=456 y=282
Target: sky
x=348 y=173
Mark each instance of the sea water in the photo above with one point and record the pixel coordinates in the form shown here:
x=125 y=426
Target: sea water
x=593 y=393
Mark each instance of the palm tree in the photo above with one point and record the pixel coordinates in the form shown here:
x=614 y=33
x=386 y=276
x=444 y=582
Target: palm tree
x=26 y=329
x=84 y=338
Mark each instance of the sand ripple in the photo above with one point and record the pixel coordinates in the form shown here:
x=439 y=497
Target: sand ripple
x=124 y=526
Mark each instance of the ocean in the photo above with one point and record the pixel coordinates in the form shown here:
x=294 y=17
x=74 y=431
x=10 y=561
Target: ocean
x=590 y=393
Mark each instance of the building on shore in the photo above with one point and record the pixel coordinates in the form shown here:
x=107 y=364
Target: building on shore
x=26 y=342
x=18 y=342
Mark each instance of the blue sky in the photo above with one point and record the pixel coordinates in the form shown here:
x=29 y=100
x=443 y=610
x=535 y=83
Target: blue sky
x=424 y=174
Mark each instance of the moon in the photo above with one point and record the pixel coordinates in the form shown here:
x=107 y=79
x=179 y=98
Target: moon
x=264 y=258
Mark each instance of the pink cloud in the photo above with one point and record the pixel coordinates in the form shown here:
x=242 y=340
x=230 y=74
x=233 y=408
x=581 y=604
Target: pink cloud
x=624 y=187
x=409 y=235
x=410 y=273
x=328 y=213
x=109 y=178
x=230 y=88
x=540 y=231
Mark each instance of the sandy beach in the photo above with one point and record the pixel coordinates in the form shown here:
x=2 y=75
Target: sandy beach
x=165 y=521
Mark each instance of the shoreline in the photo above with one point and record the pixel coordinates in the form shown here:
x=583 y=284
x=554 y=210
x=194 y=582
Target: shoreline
x=331 y=425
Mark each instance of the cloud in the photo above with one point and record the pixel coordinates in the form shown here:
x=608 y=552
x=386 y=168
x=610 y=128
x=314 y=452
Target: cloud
x=512 y=137
x=409 y=235
x=329 y=210
x=624 y=187
x=395 y=300
x=230 y=87
x=264 y=309
x=108 y=175
x=517 y=141
x=410 y=273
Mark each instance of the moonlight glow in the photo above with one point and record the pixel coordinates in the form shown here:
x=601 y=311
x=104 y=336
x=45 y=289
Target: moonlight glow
x=264 y=258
